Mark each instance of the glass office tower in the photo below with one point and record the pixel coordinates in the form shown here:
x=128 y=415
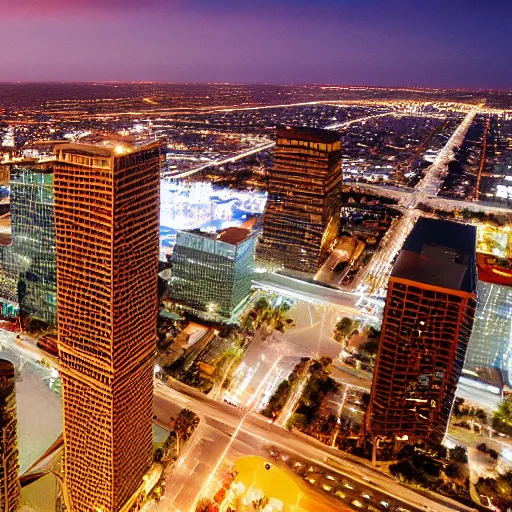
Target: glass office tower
x=28 y=265
x=212 y=272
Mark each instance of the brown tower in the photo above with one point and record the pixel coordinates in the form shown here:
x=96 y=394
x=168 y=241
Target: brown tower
x=9 y=460
x=430 y=306
x=107 y=238
x=302 y=214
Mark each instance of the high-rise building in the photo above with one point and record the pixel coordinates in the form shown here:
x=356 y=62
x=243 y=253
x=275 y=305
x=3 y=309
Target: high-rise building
x=427 y=323
x=106 y=223
x=28 y=274
x=301 y=218
x=9 y=463
x=212 y=272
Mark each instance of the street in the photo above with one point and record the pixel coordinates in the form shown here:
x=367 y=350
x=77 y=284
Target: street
x=226 y=433
x=373 y=278
x=256 y=430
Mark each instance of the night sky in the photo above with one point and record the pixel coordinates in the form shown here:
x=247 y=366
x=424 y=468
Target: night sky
x=445 y=43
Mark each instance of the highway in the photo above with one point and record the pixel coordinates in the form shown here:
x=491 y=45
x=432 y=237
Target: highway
x=440 y=203
x=373 y=278
x=220 y=162
x=266 y=145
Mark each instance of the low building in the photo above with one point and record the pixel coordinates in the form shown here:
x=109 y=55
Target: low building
x=213 y=272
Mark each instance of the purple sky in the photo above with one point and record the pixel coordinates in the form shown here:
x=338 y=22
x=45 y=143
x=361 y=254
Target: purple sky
x=446 y=43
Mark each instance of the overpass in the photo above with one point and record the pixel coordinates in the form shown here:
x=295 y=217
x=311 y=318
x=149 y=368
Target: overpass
x=440 y=203
x=352 y=303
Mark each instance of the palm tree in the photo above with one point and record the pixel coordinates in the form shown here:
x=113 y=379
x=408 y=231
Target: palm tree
x=183 y=426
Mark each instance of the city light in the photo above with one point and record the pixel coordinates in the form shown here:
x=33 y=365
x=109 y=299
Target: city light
x=333 y=267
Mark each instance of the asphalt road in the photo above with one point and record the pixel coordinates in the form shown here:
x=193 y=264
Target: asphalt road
x=304 y=446
x=206 y=455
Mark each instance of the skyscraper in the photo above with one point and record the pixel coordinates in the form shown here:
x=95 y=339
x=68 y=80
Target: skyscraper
x=212 y=272
x=106 y=223
x=9 y=463
x=28 y=264
x=302 y=214
x=428 y=317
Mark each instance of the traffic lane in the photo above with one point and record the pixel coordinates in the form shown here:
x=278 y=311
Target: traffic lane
x=348 y=465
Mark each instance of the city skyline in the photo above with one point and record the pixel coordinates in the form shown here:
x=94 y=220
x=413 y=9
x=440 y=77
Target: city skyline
x=256 y=255
x=459 y=44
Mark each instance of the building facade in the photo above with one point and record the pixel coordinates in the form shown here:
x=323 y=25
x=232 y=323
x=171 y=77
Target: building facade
x=428 y=317
x=9 y=467
x=301 y=218
x=213 y=273
x=28 y=264
x=106 y=223
x=490 y=346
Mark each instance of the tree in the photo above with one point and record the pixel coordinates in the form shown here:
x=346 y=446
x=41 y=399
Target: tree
x=499 y=490
x=502 y=418
x=459 y=454
x=455 y=470
x=184 y=425
x=458 y=406
x=370 y=347
x=481 y=415
x=343 y=328
x=261 y=304
x=299 y=421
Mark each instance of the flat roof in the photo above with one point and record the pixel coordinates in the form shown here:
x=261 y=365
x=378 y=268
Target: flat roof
x=232 y=235
x=308 y=134
x=439 y=253
x=106 y=149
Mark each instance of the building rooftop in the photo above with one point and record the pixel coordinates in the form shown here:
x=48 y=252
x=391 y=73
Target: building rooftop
x=495 y=270
x=308 y=134
x=232 y=235
x=107 y=148
x=439 y=253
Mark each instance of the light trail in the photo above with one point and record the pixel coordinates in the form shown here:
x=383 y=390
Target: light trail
x=224 y=161
x=340 y=410
x=208 y=482
x=373 y=278
x=268 y=145
x=337 y=126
